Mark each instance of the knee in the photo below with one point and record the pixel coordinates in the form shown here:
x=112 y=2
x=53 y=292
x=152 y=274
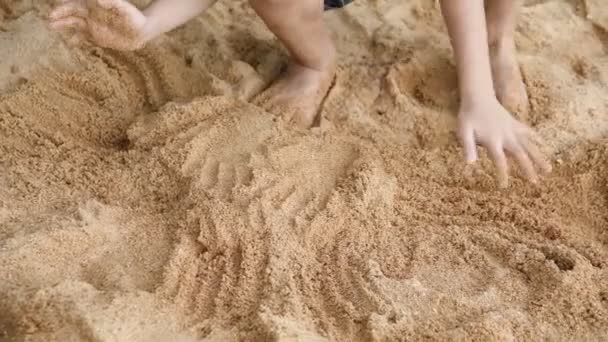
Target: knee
x=268 y=6
x=276 y=11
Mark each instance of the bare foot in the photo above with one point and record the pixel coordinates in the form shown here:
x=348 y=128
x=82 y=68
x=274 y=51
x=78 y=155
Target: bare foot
x=508 y=82
x=298 y=93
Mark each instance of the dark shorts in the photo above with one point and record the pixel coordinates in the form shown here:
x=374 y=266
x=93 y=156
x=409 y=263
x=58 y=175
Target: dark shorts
x=331 y=4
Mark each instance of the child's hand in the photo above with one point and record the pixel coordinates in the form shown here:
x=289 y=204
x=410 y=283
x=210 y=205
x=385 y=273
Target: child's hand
x=488 y=124
x=114 y=24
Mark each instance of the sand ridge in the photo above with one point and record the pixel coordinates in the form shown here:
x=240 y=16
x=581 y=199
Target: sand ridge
x=143 y=197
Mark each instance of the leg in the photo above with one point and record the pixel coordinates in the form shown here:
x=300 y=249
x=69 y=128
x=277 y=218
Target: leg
x=299 y=26
x=501 y=17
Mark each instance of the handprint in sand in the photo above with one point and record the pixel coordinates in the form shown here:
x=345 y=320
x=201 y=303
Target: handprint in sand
x=209 y=140
x=218 y=158
x=294 y=181
x=115 y=24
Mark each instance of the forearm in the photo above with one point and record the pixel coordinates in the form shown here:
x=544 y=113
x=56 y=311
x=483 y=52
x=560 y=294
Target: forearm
x=466 y=23
x=165 y=15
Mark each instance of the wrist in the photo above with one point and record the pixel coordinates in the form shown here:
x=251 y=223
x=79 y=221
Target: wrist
x=475 y=83
x=476 y=100
x=471 y=97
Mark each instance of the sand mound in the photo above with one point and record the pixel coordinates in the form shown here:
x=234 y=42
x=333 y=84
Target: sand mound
x=143 y=198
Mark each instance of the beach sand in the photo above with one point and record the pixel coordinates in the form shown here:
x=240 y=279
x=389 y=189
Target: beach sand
x=143 y=197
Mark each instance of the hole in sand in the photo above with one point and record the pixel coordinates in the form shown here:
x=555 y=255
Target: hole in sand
x=188 y=59
x=122 y=144
x=561 y=260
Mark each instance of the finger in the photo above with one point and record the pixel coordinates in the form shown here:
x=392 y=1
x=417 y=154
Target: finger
x=502 y=167
x=123 y=8
x=467 y=138
x=522 y=158
x=69 y=9
x=69 y=23
x=108 y=4
x=537 y=156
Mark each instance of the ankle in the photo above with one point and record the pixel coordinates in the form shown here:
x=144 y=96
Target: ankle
x=330 y=60
x=325 y=61
x=501 y=44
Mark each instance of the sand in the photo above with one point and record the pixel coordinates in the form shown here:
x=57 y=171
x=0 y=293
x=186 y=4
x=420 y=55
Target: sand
x=143 y=198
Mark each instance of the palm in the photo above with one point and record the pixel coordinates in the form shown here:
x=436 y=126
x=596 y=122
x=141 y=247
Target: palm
x=114 y=24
